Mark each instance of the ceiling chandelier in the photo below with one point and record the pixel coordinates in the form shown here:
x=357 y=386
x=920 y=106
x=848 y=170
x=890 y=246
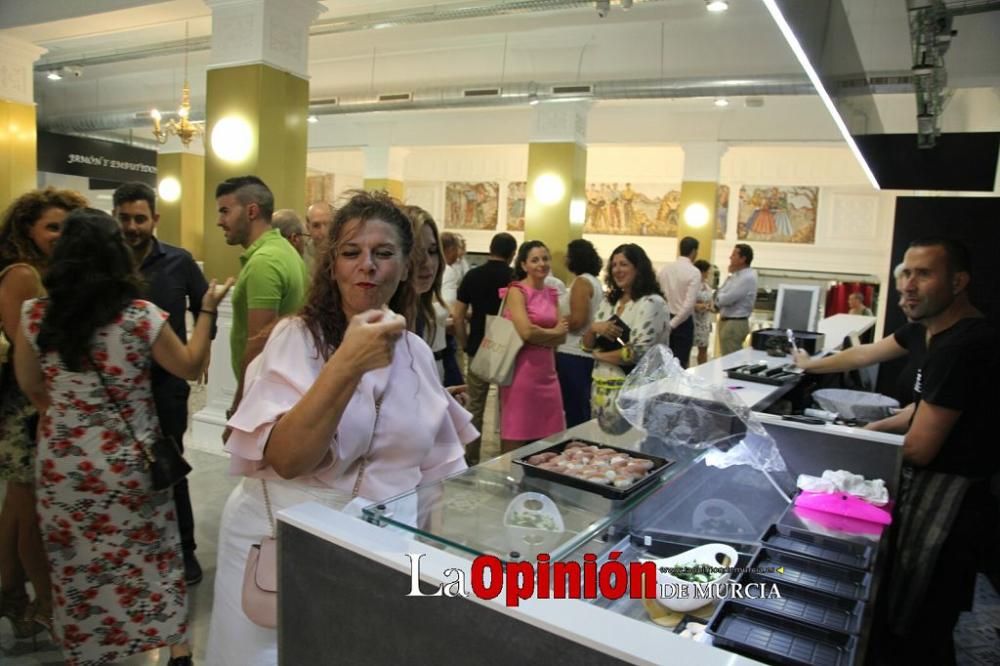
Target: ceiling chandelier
x=182 y=127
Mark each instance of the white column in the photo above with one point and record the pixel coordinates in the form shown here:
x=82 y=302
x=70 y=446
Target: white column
x=560 y=122
x=207 y=425
x=703 y=160
x=270 y=32
x=384 y=161
x=17 y=75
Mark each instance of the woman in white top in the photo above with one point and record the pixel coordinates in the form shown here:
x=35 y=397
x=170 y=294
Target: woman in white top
x=636 y=299
x=343 y=405
x=579 y=304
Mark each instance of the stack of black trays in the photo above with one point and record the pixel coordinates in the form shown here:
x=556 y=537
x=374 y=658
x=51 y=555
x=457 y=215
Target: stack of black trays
x=824 y=583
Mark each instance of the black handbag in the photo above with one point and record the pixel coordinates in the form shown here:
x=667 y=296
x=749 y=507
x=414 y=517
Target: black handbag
x=164 y=460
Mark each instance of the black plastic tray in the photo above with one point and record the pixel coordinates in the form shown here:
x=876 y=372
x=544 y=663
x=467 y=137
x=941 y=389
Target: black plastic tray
x=808 y=607
x=601 y=489
x=775 y=379
x=757 y=633
x=820 y=547
x=811 y=574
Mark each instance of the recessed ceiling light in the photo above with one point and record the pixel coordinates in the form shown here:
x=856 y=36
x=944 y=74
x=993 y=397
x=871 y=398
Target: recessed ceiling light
x=716 y=5
x=312 y=119
x=721 y=101
x=54 y=76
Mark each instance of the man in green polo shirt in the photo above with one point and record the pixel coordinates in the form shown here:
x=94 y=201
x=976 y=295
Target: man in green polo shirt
x=272 y=280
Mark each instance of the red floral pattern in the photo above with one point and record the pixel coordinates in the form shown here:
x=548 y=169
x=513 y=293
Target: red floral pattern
x=112 y=541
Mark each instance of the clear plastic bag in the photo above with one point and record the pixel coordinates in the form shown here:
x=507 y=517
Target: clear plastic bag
x=660 y=398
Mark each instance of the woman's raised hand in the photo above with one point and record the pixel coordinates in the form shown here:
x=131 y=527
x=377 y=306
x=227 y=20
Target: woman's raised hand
x=370 y=338
x=215 y=293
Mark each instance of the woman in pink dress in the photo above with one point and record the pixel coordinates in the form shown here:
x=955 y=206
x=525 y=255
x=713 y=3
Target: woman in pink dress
x=531 y=407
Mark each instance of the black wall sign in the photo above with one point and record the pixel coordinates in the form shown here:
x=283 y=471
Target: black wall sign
x=92 y=158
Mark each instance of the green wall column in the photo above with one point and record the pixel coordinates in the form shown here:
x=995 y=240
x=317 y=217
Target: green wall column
x=555 y=198
x=699 y=189
x=273 y=106
x=18 y=129
x=557 y=169
x=257 y=95
x=182 y=217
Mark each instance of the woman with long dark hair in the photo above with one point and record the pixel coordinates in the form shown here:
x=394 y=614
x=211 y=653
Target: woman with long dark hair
x=574 y=365
x=83 y=356
x=531 y=407
x=28 y=233
x=634 y=299
x=343 y=406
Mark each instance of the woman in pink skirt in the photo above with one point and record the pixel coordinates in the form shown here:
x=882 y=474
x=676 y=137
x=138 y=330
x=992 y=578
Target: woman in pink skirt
x=531 y=407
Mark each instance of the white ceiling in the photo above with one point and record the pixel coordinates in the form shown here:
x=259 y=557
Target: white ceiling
x=657 y=39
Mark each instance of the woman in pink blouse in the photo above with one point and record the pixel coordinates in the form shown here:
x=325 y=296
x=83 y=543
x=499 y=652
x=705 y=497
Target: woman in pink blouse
x=343 y=406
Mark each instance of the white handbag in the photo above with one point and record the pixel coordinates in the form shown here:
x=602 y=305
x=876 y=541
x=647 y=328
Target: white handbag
x=494 y=360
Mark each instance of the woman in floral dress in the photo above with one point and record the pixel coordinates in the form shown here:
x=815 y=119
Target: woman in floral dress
x=112 y=541
x=703 y=312
x=28 y=233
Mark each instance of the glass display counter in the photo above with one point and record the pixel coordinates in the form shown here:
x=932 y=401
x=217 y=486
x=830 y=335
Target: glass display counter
x=347 y=571
x=496 y=509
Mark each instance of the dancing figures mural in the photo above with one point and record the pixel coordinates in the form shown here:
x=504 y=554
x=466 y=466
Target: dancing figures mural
x=779 y=214
x=632 y=209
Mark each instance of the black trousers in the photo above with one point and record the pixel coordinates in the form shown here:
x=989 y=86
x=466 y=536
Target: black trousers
x=681 y=341
x=172 y=410
x=452 y=373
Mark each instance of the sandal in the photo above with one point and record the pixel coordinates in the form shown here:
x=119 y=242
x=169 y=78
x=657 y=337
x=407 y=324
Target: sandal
x=14 y=607
x=41 y=621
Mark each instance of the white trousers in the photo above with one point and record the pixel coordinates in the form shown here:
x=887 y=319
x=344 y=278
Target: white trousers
x=233 y=639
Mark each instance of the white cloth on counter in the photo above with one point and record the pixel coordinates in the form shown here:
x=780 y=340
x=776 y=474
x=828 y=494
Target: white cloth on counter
x=842 y=481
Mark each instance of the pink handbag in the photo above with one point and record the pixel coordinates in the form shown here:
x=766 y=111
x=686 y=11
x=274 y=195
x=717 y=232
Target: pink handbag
x=260 y=575
x=260 y=583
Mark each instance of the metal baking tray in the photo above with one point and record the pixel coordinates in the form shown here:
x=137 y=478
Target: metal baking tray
x=776 y=376
x=775 y=566
x=601 y=489
x=808 y=607
x=820 y=547
x=757 y=633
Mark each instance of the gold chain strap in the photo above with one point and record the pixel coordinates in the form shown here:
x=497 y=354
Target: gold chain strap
x=267 y=505
x=364 y=459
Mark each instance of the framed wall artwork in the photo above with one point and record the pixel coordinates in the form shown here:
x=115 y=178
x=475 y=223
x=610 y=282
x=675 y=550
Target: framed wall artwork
x=319 y=187
x=639 y=209
x=515 y=205
x=471 y=205
x=779 y=214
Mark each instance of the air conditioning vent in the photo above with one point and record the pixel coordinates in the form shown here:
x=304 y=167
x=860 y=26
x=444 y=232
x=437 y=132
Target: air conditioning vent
x=325 y=101
x=396 y=97
x=572 y=90
x=481 y=92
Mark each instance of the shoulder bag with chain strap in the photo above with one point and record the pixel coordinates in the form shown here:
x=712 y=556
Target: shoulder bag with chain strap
x=260 y=576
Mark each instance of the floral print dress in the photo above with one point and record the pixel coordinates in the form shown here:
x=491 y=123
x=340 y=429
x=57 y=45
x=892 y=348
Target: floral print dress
x=112 y=541
x=649 y=321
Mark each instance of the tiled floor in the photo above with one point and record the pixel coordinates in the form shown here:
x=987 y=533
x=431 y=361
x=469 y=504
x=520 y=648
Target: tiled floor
x=978 y=633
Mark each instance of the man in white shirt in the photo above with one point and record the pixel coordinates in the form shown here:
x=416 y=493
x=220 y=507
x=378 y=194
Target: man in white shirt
x=453 y=270
x=680 y=282
x=735 y=299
